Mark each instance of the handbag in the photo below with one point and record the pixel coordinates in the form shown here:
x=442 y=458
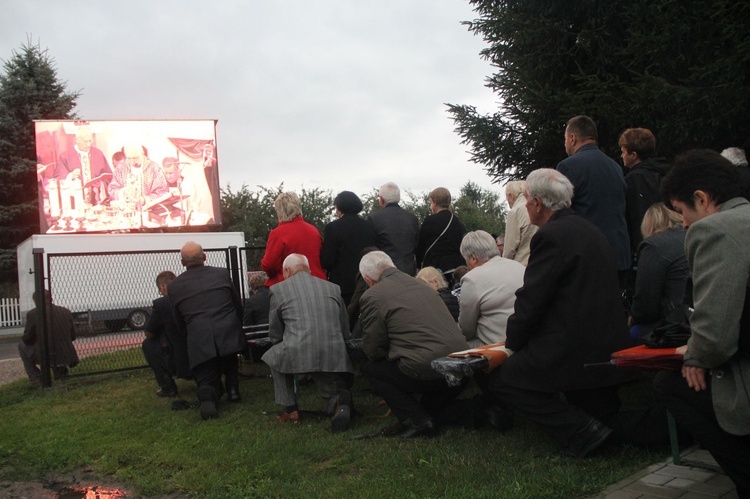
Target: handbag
x=672 y=332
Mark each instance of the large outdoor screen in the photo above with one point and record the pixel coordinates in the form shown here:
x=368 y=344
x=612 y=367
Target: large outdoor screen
x=102 y=176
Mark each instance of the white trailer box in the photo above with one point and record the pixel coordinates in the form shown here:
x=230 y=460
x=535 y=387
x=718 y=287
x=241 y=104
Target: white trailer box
x=117 y=289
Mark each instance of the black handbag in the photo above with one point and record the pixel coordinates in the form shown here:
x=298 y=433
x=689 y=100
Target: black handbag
x=672 y=332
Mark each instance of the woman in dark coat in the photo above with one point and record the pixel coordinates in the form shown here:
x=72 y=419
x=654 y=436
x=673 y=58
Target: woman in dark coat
x=662 y=270
x=343 y=242
x=440 y=235
x=434 y=278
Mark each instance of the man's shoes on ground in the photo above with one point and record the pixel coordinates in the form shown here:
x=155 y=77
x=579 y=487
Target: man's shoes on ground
x=587 y=439
x=164 y=393
x=498 y=418
x=426 y=428
x=342 y=413
x=233 y=394
x=394 y=429
x=286 y=417
x=207 y=399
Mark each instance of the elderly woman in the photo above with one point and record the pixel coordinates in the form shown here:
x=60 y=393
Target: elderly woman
x=293 y=235
x=488 y=290
x=258 y=304
x=440 y=234
x=663 y=269
x=518 y=227
x=343 y=242
x=435 y=279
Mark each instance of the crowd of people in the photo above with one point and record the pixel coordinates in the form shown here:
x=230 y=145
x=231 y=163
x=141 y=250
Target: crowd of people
x=594 y=257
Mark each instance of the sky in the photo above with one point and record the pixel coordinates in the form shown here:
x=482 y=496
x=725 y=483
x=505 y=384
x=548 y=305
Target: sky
x=329 y=94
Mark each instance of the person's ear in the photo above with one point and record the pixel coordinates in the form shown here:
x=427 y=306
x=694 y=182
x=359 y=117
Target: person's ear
x=702 y=200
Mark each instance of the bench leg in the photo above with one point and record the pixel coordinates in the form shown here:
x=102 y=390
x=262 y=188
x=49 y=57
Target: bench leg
x=673 y=442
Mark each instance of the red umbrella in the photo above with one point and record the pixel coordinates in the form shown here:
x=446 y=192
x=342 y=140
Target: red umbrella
x=644 y=358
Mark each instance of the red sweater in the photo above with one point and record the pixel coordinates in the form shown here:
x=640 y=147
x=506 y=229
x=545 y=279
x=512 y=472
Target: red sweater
x=294 y=236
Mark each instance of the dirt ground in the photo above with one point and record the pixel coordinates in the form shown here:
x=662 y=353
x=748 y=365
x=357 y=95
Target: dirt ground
x=78 y=485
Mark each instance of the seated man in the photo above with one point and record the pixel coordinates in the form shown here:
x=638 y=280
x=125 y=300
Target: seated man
x=405 y=326
x=258 y=304
x=488 y=290
x=710 y=398
x=308 y=328
x=165 y=350
x=62 y=353
x=567 y=314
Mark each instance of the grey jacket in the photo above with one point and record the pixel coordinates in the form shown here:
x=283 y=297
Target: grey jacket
x=405 y=321
x=718 y=249
x=308 y=325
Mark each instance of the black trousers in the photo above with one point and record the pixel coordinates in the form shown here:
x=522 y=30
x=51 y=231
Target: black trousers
x=158 y=359
x=400 y=391
x=547 y=409
x=694 y=412
x=208 y=375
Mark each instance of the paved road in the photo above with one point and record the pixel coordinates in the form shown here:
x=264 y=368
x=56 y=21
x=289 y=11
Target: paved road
x=85 y=345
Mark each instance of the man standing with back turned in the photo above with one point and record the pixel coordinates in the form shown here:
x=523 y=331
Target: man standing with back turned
x=598 y=188
x=208 y=311
x=397 y=230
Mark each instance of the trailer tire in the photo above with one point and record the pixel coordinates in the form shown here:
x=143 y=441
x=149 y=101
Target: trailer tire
x=137 y=319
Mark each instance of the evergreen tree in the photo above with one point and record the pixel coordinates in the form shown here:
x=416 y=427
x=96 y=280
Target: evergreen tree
x=679 y=69
x=29 y=90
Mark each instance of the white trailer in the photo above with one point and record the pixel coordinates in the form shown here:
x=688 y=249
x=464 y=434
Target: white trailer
x=109 y=277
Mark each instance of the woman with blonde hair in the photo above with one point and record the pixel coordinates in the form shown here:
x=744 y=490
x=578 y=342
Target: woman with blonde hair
x=662 y=270
x=435 y=279
x=293 y=235
x=518 y=227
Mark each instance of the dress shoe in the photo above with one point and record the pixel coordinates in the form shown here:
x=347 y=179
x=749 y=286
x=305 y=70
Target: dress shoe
x=342 y=413
x=207 y=399
x=233 y=394
x=498 y=418
x=587 y=439
x=285 y=417
x=393 y=430
x=172 y=392
x=426 y=428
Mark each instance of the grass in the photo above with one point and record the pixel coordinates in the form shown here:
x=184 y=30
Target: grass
x=115 y=426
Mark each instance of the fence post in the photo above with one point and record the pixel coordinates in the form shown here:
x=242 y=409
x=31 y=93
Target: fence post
x=234 y=268
x=42 y=325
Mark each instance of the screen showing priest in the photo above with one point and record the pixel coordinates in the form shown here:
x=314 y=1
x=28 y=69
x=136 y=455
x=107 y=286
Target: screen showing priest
x=103 y=176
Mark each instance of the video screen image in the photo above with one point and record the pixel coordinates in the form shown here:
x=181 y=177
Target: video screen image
x=105 y=176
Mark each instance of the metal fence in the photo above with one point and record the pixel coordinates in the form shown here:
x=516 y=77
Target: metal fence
x=111 y=294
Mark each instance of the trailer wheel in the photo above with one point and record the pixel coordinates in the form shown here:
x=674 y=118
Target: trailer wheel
x=137 y=319
x=115 y=325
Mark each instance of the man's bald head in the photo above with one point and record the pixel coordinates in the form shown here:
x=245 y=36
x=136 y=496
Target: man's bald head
x=192 y=254
x=133 y=155
x=84 y=138
x=295 y=263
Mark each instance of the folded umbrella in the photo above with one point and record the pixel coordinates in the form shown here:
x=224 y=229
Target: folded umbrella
x=644 y=358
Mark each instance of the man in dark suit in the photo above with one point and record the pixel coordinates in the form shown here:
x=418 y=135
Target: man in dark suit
x=164 y=348
x=397 y=230
x=405 y=326
x=208 y=311
x=567 y=314
x=86 y=164
x=599 y=188
x=308 y=327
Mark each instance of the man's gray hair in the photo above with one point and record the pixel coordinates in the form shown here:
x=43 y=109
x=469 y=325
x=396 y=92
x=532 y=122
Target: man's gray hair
x=295 y=260
x=390 y=193
x=735 y=155
x=552 y=187
x=479 y=243
x=374 y=263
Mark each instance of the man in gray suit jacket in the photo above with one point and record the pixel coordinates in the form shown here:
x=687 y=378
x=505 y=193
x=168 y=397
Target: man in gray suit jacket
x=711 y=397
x=208 y=312
x=308 y=326
x=397 y=230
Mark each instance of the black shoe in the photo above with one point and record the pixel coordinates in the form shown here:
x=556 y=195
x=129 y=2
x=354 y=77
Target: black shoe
x=233 y=394
x=342 y=413
x=587 y=439
x=167 y=393
x=498 y=418
x=207 y=399
x=427 y=428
